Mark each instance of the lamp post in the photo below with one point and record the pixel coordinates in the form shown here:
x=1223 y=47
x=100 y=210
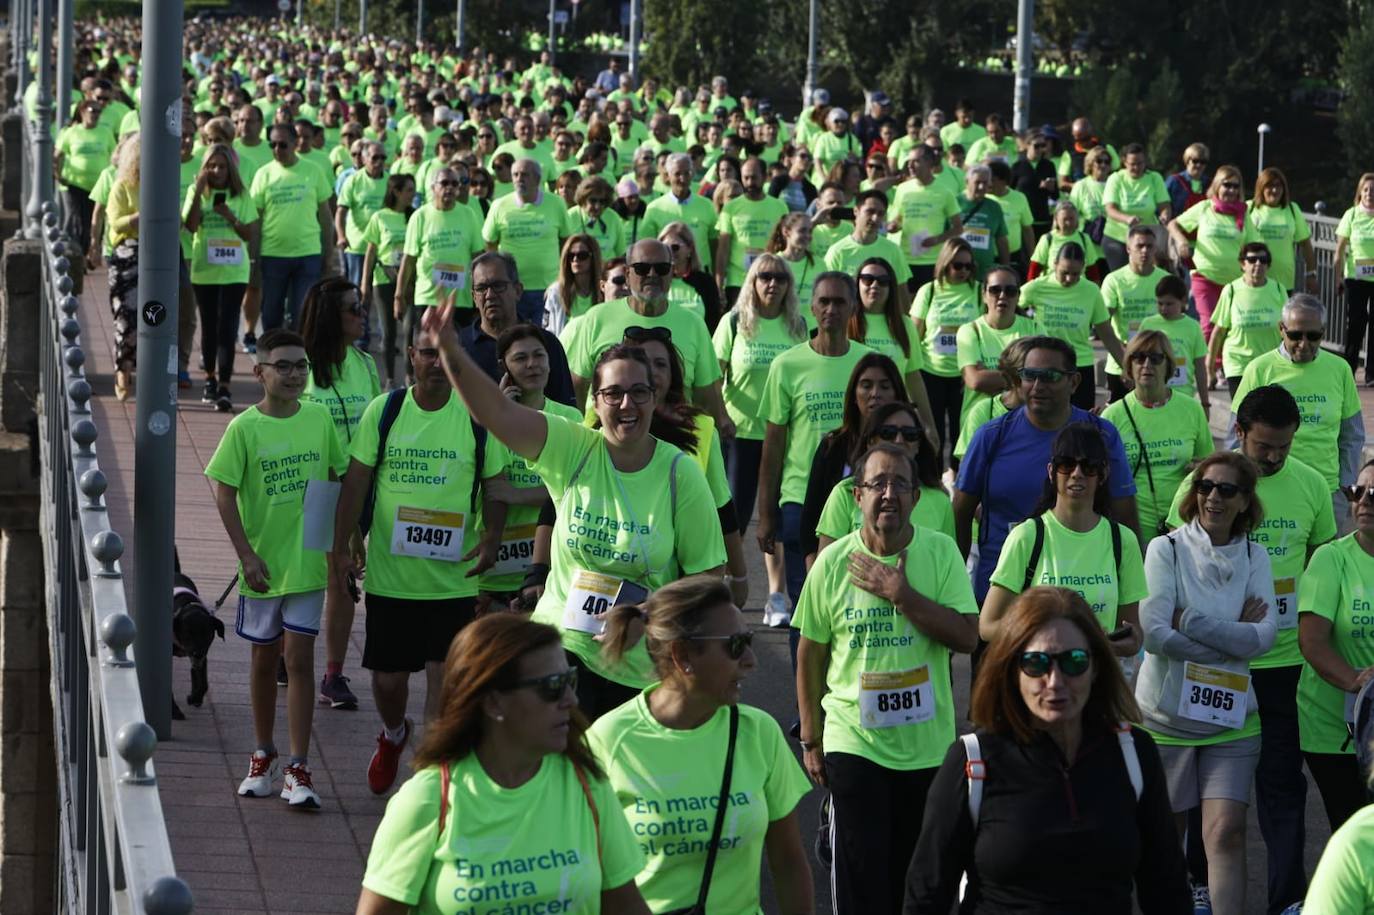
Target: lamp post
x=1263 y=130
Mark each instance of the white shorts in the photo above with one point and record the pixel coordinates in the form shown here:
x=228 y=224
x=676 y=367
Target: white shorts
x=262 y=619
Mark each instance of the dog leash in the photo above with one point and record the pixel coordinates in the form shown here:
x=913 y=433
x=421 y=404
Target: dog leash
x=225 y=596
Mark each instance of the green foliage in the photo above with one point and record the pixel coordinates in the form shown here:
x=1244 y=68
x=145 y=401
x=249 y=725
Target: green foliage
x=1355 y=117
x=694 y=41
x=1127 y=107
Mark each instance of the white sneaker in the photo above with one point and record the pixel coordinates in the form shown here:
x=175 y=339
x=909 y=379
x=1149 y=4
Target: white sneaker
x=262 y=770
x=777 y=611
x=297 y=790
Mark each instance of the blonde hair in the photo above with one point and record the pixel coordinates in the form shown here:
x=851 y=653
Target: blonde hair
x=673 y=613
x=684 y=232
x=725 y=192
x=130 y=154
x=231 y=158
x=1225 y=172
x=1196 y=151
x=1148 y=340
x=747 y=306
x=1366 y=178
x=218 y=130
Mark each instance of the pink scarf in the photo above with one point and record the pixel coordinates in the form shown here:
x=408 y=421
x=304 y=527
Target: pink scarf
x=1236 y=209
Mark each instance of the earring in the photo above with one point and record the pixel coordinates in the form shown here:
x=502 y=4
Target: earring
x=687 y=669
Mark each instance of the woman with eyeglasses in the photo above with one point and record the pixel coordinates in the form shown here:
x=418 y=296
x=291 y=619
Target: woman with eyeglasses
x=1211 y=610
x=980 y=346
x=1220 y=226
x=792 y=242
x=1280 y=222
x=577 y=288
x=1087 y=194
x=1065 y=228
x=1066 y=307
x=687 y=741
x=385 y=236
x=940 y=311
x=502 y=776
x=593 y=216
x=1071 y=540
x=898 y=423
x=223 y=222
x=1336 y=635
x=480 y=188
x=1355 y=277
x=1055 y=802
x=886 y=329
x=1163 y=434
x=693 y=288
x=631 y=514
x=1246 y=321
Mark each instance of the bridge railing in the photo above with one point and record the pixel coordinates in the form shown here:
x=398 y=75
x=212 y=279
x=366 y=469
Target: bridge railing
x=1323 y=230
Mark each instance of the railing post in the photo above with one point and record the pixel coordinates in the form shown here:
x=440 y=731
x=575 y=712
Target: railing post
x=66 y=46
x=40 y=182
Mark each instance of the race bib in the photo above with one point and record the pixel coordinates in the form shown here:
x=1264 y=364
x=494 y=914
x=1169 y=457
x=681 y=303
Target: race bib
x=592 y=594
x=1364 y=268
x=224 y=252
x=421 y=533
x=1180 y=373
x=516 y=551
x=889 y=700
x=751 y=255
x=978 y=239
x=946 y=341
x=1286 y=591
x=1213 y=695
x=449 y=276
x=916 y=242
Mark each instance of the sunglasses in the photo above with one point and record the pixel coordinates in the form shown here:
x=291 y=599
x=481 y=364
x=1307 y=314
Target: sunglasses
x=1066 y=465
x=771 y=276
x=552 y=687
x=1312 y=336
x=1257 y=259
x=891 y=433
x=580 y=255
x=1358 y=493
x=735 y=643
x=870 y=279
x=1010 y=291
x=961 y=265
x=1202 y=162
x=617 y=280
x=1225 y=490
x=1231 y=185
x=1071 y=663
x=645 y=334
x=644 y=268
x=1151 y=358
x=1051 y=376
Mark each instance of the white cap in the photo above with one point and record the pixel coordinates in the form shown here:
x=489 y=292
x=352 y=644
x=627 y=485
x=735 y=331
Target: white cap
x=820 y=97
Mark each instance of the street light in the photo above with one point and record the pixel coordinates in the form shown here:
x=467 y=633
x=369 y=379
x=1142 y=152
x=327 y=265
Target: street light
x=1262 y=130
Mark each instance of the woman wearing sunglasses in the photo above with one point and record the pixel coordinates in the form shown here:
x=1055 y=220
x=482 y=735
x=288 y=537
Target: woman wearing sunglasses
x=631 y=514
x=686 y=740
x=1211 y=232
x=593 y=216
x=881 y=325
x=693 y=288
x=1210 y=610
x=577 y=288
x=940 y=310
x=1069 y=812
x=504 y=776
x=1071 y=540
x=894 y=422
x=1246 y=321
x=1337 y=639
x=979 y=347
x=1163 y=434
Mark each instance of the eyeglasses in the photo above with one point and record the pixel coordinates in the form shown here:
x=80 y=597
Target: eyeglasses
x=869 y=279
x=279 y=144
x=735 y=644
x=639 y=394
x=1225 y=490
x=961 y=265
x=381 y=158
x=1010 y=290
x=498 y=287
x=645 y=334
x=286 y=368
x=579 y=255
x=552 y=687
x=1312 y=336
x=1202 y=162
x=1257 y=259
x=889 y=433
x=617 y=280
x=1230 y=185
x=1066 y=465
x=1151 y=358
x=1071 y=663
x=1358 y=494
x=773 y=276
x=1050 y=376
x=644 y=268
x=895 y=485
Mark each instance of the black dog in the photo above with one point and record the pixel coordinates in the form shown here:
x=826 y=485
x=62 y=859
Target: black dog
x=194 y=627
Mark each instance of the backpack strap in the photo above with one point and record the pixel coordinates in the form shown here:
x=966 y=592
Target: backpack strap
x=395 y=400
x=975 y=771
x=1116 y=546
x=1131 y=755
x=1037 y=548
x=479 y=435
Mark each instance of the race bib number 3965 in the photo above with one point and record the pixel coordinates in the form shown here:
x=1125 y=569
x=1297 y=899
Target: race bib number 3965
x=1214 y=695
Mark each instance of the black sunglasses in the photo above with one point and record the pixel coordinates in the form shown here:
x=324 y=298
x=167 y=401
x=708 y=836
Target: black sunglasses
x=1313 y=336
x=1065 y=465
x=1257 y=259
x=617 y=280
x=1225 y=490
x=961 y=265
x=889 y=433
x=644 y=268
x=1050 y=376
x=868 y=279
x=1358 y=493
x=735 y=643
x=552 y=687
x=645 y=334
x=1072 y=663
x=1010 y=290
x=1152 y=358
x=772 y=276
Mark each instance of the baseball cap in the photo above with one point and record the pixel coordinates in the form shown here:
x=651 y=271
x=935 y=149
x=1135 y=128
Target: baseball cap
x=880 y=98
x=820 y=97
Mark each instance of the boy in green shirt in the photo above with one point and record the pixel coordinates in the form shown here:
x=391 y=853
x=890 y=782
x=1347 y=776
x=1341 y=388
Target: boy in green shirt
x=1189 y=377
x=276 y=468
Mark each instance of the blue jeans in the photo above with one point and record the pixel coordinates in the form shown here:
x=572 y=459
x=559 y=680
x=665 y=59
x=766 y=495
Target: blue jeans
x=285 y=281
x=742 y=456
x=353 y=267
x=530 y=308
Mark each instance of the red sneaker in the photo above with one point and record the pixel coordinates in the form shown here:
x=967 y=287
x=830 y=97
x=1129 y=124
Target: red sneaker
x=386 y=759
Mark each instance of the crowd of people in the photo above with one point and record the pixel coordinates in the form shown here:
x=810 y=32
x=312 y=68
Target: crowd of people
x=534 y=350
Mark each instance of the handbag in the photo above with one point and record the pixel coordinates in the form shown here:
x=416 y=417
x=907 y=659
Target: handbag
x=714 y=846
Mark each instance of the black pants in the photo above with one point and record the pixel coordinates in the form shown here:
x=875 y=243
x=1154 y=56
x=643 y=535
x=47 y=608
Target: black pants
x=386 y=310
x=1085 y=395
x=1280 y=788
x=1359 y=294
x=78 y=207
x=1232 y=385
x=875 y=820
x=595 y=694
x=1115 y=253
x=920 y=275
x=1338 y=779
x=219 y=327
x=946 y=401
x=742 y=457
x=1116 y=388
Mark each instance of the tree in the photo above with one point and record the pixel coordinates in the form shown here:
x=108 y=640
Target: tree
x=1355 y=117
x=694 y=40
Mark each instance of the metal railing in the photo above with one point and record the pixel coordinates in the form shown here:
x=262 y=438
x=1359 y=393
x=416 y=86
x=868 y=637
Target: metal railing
x=113 y=854
x=1323 y=230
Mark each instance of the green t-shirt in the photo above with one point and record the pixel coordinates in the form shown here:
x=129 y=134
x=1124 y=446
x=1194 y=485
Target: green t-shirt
x=443 y=243
x=804 y=273
x=984 y=223
x=985 y=149
x=1216 y=252
x=749 y=223
x=363 y=196
x=1140 y=197
x=1298 y=515
x=1325 y=391
x=529 y=232
x=605 y=325
x=823 y=238
x=355 y=385
x=251 y=159
x=1087 y=196
x=953 y=133
x=946 y=308
x=668 y=791
x=746 y=361
x=387 y=230
x=84 y=153
x=1067 y=312
x=1016 y=211
x=271 y=462
x=848 y=253
x=1185 y=339
x=608 y=229
x=1173 y=435
x=977 y=411
x=1130 y=299
x=871 y=640
x=979 y=343
x=696 y=211
x=289 y=200
x=1251 y=317
x=539 y=843
x=1282 y=229
x=623 y=526
x=425 y=518
x=1338 y=586
x=830 y=149
x=878 y=336
x=219 y=257
x=925 y=210
x=841 y=514
x=1357 y=227
x=1343 y=883
x=804 y=393
x=1047 y=248
x=1082 y=562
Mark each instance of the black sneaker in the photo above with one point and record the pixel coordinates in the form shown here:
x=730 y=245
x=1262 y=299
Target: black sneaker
x=211 y=392
x=250 y=343
x=281 y=671
x=222 y=402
